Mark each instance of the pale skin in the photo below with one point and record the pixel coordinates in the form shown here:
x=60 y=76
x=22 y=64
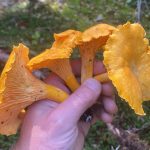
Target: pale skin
x=52 y=126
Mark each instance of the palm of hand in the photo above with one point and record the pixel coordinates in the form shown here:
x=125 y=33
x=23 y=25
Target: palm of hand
x=49 y=125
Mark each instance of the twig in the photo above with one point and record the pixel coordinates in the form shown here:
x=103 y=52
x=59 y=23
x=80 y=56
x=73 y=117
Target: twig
x=127 y=139
x=144 y=129
x=146 y=4
x=138 y=15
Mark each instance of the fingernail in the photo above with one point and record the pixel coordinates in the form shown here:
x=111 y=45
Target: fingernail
x=92 y=84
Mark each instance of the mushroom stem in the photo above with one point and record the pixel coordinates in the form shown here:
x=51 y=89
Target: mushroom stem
x=87 y=68
x=72 y=82
x=63 y=69
x=55 y=93
x=87 y=58
x=102 y=77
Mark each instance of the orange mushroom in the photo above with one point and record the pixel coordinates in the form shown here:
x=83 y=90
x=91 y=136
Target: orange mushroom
x=57 y=57
x=127 y=61
x=19 y=89
x=92 y=40
x=102 y=77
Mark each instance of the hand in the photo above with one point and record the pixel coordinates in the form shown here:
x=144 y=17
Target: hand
x=52 y=126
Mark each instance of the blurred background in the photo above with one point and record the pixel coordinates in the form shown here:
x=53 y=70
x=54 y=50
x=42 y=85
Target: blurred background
x=33 y=22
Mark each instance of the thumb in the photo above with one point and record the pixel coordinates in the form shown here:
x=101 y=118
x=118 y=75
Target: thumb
x=78 y=102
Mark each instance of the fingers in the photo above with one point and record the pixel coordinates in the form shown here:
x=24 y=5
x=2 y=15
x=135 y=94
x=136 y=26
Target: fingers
x=101 y=114
x=107 y=89
x=106 y=109
x=53 y=79
x=104 y=116
x=109 y=105
x=76 y=67
x=77 y=103
x=99 y=68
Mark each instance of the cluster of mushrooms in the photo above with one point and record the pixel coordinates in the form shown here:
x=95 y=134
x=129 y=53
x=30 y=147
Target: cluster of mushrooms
x=126 y=54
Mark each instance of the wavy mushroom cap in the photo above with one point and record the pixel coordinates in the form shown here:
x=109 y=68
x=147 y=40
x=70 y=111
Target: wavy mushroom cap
x=62 y=48
x=67 y=39
x=128 y=64
x=97 y=31
x=96 y=36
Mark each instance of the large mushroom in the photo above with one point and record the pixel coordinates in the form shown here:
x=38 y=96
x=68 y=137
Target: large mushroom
x=127 y=60
x=19 y=89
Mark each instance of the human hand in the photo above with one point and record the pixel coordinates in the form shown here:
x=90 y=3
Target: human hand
x=52 y=126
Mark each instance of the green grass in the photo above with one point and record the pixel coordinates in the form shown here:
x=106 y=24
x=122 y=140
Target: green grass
x=99 y=138
x=34 y=25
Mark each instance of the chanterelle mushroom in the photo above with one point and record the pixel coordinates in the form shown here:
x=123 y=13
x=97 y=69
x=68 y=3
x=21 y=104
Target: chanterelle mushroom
x=19 y=88
x=57 y=57
x=91 y=41
x=127 y=60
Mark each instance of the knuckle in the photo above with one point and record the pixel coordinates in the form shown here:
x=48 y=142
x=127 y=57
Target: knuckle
x=90 y=91
x=86 y=95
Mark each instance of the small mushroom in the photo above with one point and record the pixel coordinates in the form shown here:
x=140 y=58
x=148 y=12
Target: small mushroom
x=91 y=41
x=57 y=57
x=19 y=89
x=127 y=60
